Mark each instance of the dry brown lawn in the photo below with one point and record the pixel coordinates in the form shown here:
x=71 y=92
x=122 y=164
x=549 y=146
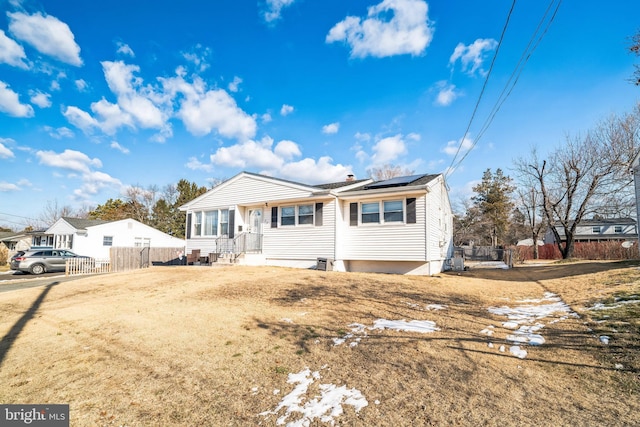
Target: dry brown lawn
x=206 y=346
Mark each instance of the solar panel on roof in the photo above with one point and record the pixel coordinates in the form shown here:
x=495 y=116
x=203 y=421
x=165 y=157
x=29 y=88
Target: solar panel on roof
x=395 y=182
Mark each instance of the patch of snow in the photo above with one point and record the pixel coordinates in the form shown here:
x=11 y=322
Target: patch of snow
x=604 y=339
x=423 y=326
x=359 y=331
x=502 y=349
x=436 y=307
x=324 y=408
x=286 y=320
x=518 y=352
x=618 y=304
x=525 y=319
x=619 y=366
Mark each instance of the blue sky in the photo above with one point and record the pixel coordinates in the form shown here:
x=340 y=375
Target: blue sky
x=95 y=99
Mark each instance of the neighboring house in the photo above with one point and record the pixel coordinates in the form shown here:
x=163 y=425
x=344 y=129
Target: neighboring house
x=95 y=238
x=635 y=169
x=599 y=230
x=14 y=242
x=401 y=225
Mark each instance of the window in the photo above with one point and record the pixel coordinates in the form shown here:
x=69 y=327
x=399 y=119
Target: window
x=618 y=229
x=370 y=212
x=288 y=215
x=211 y=223
x=596 y=229
x=197 y=224
x=224 y=222
x=142 y=242
x=393 y=211
x=107 y=241
x=305 y=215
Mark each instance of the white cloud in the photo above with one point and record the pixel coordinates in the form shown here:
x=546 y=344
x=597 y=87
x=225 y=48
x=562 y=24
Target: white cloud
x=203 y=112
x=133 y=98
x=80 y=119
x=11 y=52
x=310 y=171
x=234 y=86
x=392 y=27
x=388 y=150
x=10 y=103
x=93 y=182
x=195 y=164
x=331 y=128
x=274 y=9
x=452 y=146
x=124 y=49
x=119 y=147
x=59 y=133
x=5 y=187
x=255 y=154
x=40 y=99
x=69 y=159
x=47 y=34
x=198 y=57
x=81 y=85
x=5 y=153
x=447 y=93
x=266 y=118
x=286 y=110
x=472 y=56
x=287 y=150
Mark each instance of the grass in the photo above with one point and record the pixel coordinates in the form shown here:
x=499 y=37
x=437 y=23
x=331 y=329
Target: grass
x=186 y=346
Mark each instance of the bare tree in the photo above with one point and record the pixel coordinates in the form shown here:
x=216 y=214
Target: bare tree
x=52 y=212
x=388 y=171
x=530 y=201
x=634 y=47
x=585 y=174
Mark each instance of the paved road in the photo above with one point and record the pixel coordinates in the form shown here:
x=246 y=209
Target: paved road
x=12 y=282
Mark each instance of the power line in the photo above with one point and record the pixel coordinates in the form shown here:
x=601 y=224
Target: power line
x=524 y=58
x=511 y=82
x=484 y=85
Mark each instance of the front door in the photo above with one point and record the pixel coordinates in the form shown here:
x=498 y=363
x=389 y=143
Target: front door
x=254 y=230
x=255 y=221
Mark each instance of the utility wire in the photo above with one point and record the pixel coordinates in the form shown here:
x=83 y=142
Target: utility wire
x=484 y=86
x=515 y=76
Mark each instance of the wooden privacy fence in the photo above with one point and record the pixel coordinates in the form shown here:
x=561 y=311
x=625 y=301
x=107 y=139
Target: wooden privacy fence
x=77 y=266
x=125 y=258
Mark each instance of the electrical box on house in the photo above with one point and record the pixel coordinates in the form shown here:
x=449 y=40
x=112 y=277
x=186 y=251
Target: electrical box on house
x=324 y=264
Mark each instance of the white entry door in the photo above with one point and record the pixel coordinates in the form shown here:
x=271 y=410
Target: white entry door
x=254 y=224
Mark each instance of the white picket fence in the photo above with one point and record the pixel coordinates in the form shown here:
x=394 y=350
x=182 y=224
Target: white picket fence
x=78 y=266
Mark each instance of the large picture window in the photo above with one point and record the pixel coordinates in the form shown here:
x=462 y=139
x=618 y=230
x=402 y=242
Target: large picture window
x=211 y=223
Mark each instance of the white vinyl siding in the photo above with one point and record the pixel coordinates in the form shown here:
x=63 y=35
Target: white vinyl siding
x=393 y=241
x=301 y=242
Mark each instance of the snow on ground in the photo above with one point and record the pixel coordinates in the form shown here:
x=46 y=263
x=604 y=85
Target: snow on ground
x=359 y=331
x=300 y=411
x=635 y=299
x=526 y=321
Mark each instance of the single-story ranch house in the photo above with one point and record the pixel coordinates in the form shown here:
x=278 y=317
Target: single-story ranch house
x=401 y=225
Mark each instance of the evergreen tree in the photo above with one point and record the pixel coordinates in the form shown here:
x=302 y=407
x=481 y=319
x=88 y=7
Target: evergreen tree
x=494 y=205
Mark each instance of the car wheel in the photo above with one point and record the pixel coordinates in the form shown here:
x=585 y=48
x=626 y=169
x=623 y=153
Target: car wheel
x=37 y=269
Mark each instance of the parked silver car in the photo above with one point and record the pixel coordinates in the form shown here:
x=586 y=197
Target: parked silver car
x=43 y=261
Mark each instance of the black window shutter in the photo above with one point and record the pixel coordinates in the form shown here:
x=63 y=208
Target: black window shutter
x=318 y=214
x=274 y=217
x=232 y=223
x=188 y=226
x=411 y=211
x=353 y=214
